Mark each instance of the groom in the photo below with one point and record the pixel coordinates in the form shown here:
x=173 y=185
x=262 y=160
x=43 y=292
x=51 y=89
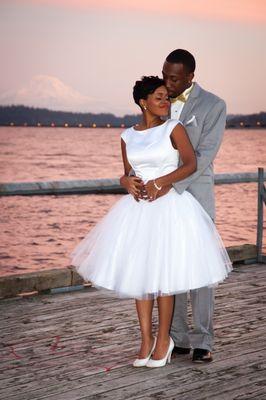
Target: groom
x=203 y=115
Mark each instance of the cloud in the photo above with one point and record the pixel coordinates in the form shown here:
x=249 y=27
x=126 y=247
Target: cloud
x=50 y=92
x=253 y=11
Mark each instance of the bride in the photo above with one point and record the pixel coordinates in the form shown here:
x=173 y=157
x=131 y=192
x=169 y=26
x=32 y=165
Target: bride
x=153 y=243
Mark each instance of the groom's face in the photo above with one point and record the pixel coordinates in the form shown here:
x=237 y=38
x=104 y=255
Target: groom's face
x=176 y=78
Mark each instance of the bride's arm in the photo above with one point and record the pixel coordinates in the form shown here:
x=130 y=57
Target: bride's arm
x=127 y=166
x=132 y=184
x=188 y=157
x=187 y=154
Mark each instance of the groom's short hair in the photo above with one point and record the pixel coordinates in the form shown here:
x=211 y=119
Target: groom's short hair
x=184 y=57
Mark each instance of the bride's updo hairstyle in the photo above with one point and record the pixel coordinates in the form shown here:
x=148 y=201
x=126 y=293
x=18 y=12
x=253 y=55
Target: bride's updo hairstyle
x=146 y=86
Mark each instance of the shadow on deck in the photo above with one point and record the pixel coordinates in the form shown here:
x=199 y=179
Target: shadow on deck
x=80 y=345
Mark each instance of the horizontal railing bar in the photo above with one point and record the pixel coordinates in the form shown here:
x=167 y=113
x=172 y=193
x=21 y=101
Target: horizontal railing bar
x=100 y=186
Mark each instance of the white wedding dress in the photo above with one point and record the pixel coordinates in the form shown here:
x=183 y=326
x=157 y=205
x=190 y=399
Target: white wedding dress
x=147 y=249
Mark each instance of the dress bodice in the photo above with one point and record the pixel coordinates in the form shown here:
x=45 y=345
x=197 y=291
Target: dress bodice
x=150 y=152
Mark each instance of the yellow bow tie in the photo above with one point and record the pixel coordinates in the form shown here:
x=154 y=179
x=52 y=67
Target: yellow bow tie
x=181 y=97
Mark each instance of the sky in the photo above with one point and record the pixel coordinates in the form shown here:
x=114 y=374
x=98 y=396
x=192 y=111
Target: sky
x=85 y=55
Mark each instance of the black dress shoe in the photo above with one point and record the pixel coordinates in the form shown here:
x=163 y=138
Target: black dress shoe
x=181 y=350
x=202 y=355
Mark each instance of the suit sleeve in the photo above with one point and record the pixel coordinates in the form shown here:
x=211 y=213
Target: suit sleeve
x=210 y=141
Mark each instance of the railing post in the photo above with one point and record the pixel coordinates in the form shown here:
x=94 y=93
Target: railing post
x=261 y=200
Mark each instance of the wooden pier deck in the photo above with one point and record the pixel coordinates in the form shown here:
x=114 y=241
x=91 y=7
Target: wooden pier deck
x=81 y=344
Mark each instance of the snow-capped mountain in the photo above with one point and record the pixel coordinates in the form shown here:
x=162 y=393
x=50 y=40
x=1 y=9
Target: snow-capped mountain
x=50 y=92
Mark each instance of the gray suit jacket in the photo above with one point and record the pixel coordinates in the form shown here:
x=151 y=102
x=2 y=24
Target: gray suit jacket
x=204 y=118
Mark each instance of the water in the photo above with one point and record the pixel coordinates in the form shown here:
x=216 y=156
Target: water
x=39 y=232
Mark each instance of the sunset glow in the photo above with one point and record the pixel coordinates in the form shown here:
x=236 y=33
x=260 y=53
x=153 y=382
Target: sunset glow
x=231 y=10
x=86 y=54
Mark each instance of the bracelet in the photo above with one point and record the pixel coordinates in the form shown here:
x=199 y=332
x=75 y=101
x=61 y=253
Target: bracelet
x=157 y=187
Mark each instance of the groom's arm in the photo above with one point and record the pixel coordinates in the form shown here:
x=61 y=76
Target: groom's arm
x=210 y=141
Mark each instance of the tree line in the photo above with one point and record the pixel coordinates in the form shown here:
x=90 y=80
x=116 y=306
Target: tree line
x=30 y=116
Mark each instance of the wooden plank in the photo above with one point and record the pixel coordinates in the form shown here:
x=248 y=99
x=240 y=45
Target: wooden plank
x=99 y=338
x=172 y=380
x=103 y=318
x=37 y=320
x=77 y=371
x=242 y=252
x=12 y=285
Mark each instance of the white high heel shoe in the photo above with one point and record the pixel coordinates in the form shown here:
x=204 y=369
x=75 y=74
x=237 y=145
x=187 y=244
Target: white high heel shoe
x=160 y=363
x=141 y=362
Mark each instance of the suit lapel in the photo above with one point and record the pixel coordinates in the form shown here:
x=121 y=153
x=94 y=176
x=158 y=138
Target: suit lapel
x=188 y=107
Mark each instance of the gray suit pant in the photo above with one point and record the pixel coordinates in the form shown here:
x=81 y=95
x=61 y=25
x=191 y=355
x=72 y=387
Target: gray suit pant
x=201 y=336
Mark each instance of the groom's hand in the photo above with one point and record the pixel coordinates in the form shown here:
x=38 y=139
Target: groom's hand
x=142 y=193
x=133 y=184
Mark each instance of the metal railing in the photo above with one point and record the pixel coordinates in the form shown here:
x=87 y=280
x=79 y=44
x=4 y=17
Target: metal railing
x=112 y=186
x=99 y=186
x=261 y=202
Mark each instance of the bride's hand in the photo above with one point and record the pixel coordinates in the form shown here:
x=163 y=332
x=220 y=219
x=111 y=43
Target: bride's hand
x=134 y=185
x=163 y=191
x=151 y=190
x=153 y=193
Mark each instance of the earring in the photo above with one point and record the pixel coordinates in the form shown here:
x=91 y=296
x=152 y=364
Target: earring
x=145 y=108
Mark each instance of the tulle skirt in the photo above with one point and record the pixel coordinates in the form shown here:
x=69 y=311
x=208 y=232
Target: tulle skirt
x=144 y=249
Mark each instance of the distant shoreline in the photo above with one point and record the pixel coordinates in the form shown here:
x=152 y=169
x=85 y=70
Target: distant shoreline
x=21 y=116
x=117 y=127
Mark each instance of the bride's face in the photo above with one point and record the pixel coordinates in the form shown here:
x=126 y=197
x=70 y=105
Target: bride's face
x=158 y=102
